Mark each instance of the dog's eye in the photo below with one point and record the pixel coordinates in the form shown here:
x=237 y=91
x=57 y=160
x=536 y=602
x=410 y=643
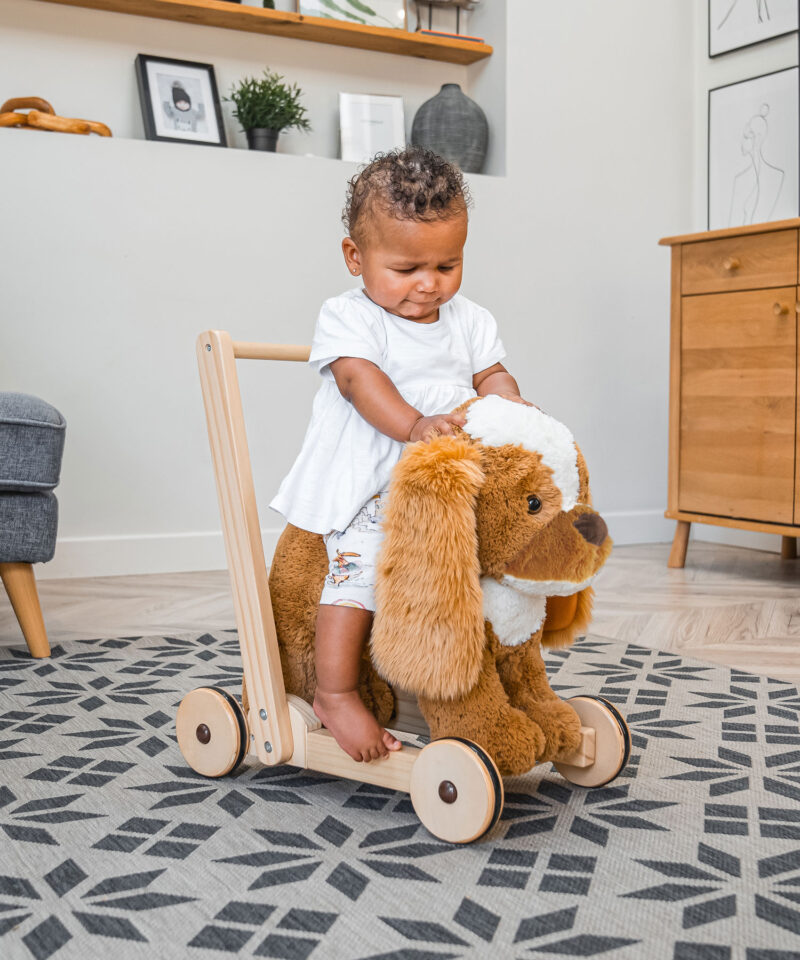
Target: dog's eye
x=534 y=504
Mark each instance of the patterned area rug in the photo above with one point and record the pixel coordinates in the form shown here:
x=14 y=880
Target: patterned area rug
x=110 y=842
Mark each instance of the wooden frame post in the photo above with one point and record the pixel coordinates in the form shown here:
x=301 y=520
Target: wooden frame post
x=268 y=721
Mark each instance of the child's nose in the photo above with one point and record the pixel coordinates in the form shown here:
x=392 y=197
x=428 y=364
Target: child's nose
x=426 y=282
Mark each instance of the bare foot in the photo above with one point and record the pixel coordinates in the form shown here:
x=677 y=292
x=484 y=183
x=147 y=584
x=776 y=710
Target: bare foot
x=356 y=731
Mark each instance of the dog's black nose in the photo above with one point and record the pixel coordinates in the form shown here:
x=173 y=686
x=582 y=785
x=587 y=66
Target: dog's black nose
x=592 y=527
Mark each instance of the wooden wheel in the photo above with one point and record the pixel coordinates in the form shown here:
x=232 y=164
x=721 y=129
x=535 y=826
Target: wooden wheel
x=212 y=732
x=612 y=743
x=456 y=790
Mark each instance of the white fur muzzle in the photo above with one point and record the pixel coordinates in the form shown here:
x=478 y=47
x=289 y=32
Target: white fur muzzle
x=495 y=422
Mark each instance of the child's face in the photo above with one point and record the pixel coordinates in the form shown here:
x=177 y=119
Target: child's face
x=410 y=268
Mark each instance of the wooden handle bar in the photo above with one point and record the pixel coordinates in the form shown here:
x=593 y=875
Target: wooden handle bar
x=26 y=103
x=270 y=351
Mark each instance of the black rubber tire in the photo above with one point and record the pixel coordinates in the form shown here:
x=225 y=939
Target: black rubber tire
x=494 y=776
x=236 y=708
x=624 y=730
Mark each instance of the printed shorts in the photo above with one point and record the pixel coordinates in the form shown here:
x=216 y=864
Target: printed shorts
x=352 y=556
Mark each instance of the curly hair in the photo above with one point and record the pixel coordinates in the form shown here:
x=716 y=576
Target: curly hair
x=409 y=184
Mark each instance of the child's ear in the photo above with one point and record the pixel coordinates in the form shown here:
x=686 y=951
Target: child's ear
x=352 y=256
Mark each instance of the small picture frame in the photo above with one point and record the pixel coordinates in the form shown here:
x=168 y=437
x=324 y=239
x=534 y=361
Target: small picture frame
x=370 y=123
x=754 y=150
x=180 y=102
x=392 y=14
x=735 y=24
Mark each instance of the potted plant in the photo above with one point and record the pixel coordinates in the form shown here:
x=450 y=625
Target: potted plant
x=265 y=106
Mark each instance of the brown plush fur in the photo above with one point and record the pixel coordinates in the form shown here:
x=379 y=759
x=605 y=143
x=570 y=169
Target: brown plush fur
x=458 y=510
x=430 y=639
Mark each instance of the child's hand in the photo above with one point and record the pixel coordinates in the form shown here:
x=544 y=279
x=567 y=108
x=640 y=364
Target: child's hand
x=426 y=428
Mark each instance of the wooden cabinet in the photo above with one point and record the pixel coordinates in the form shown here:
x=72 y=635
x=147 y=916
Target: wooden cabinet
x=734 y=439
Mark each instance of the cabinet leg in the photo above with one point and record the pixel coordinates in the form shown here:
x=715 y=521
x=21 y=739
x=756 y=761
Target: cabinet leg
x=788 y=548
x=20 y=585
x=677 y=555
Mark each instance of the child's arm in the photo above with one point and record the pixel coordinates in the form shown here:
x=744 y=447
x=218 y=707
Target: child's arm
x=497 y=380
x=379 y=402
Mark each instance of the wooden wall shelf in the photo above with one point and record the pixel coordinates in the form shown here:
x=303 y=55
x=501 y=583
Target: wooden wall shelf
x=233 y=16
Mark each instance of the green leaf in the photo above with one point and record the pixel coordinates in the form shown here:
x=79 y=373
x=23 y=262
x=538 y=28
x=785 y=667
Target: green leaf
x=362 y=8
x=268 y=102
x=345 y=13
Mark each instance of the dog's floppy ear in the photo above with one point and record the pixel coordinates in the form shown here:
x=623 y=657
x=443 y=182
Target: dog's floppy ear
x=428 y=633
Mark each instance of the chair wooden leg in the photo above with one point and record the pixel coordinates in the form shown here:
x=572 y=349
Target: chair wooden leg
x=789 y=548
x=677 y=555
x=20 y=585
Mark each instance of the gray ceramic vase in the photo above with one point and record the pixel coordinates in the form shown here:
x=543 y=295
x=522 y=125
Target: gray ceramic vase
x=454 y=126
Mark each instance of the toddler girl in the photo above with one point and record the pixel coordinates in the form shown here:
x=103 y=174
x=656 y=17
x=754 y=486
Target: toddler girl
x=395 y=354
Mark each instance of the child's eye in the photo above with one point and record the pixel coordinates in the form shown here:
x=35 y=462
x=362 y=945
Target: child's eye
x=446 y=269
x=404 y=269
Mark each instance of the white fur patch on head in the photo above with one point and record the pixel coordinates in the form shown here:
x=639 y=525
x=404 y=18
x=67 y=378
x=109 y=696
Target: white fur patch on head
x=495 y=422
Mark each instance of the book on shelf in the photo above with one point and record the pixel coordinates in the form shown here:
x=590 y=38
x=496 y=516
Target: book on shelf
x=450 y=36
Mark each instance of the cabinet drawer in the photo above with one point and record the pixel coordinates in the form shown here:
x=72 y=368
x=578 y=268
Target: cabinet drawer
x=740 y=263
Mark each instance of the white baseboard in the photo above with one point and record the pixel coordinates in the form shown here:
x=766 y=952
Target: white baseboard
x=639 y=526
x=651 y=526
x=182 y=552
x=148 y=553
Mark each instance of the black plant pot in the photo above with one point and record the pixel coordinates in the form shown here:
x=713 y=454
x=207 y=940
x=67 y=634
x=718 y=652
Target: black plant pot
x=262 y=138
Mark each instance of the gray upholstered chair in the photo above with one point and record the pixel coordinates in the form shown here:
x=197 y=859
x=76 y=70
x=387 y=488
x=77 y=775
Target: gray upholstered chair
x=31 y=444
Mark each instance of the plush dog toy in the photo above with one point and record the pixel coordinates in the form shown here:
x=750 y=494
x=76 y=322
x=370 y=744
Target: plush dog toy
x=491 y=544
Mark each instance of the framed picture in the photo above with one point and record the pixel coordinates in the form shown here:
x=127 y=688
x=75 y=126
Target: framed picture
x=733 y=24
x=753 y=149
x=179 y=101
x=370 y=13
x=370 y=123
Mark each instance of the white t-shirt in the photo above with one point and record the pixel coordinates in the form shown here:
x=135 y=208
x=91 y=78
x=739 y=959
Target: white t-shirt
x=344 y=460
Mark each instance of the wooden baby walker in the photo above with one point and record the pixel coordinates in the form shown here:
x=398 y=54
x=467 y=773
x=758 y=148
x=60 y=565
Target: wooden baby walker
x=455 y=787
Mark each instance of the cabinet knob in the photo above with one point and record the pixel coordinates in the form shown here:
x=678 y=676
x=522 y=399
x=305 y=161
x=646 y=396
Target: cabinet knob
x=780 y=309
x=731 y=263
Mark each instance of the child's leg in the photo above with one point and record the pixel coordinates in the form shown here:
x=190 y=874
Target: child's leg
x=342 y=633
x=344 y=620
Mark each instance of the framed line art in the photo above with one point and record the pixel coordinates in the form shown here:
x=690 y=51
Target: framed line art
x=753 y=146
x=180 y=102
x=370 y=13
x=734 y=24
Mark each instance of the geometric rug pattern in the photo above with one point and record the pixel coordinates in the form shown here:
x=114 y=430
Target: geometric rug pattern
x=111 y=846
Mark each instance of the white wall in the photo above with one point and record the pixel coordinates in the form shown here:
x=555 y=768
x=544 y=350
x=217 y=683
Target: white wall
x=115 y=254
x=599 y=162
x=737 y=65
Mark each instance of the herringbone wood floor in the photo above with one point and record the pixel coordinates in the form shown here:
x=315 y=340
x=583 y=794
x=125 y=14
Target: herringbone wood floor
x=728 y=605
